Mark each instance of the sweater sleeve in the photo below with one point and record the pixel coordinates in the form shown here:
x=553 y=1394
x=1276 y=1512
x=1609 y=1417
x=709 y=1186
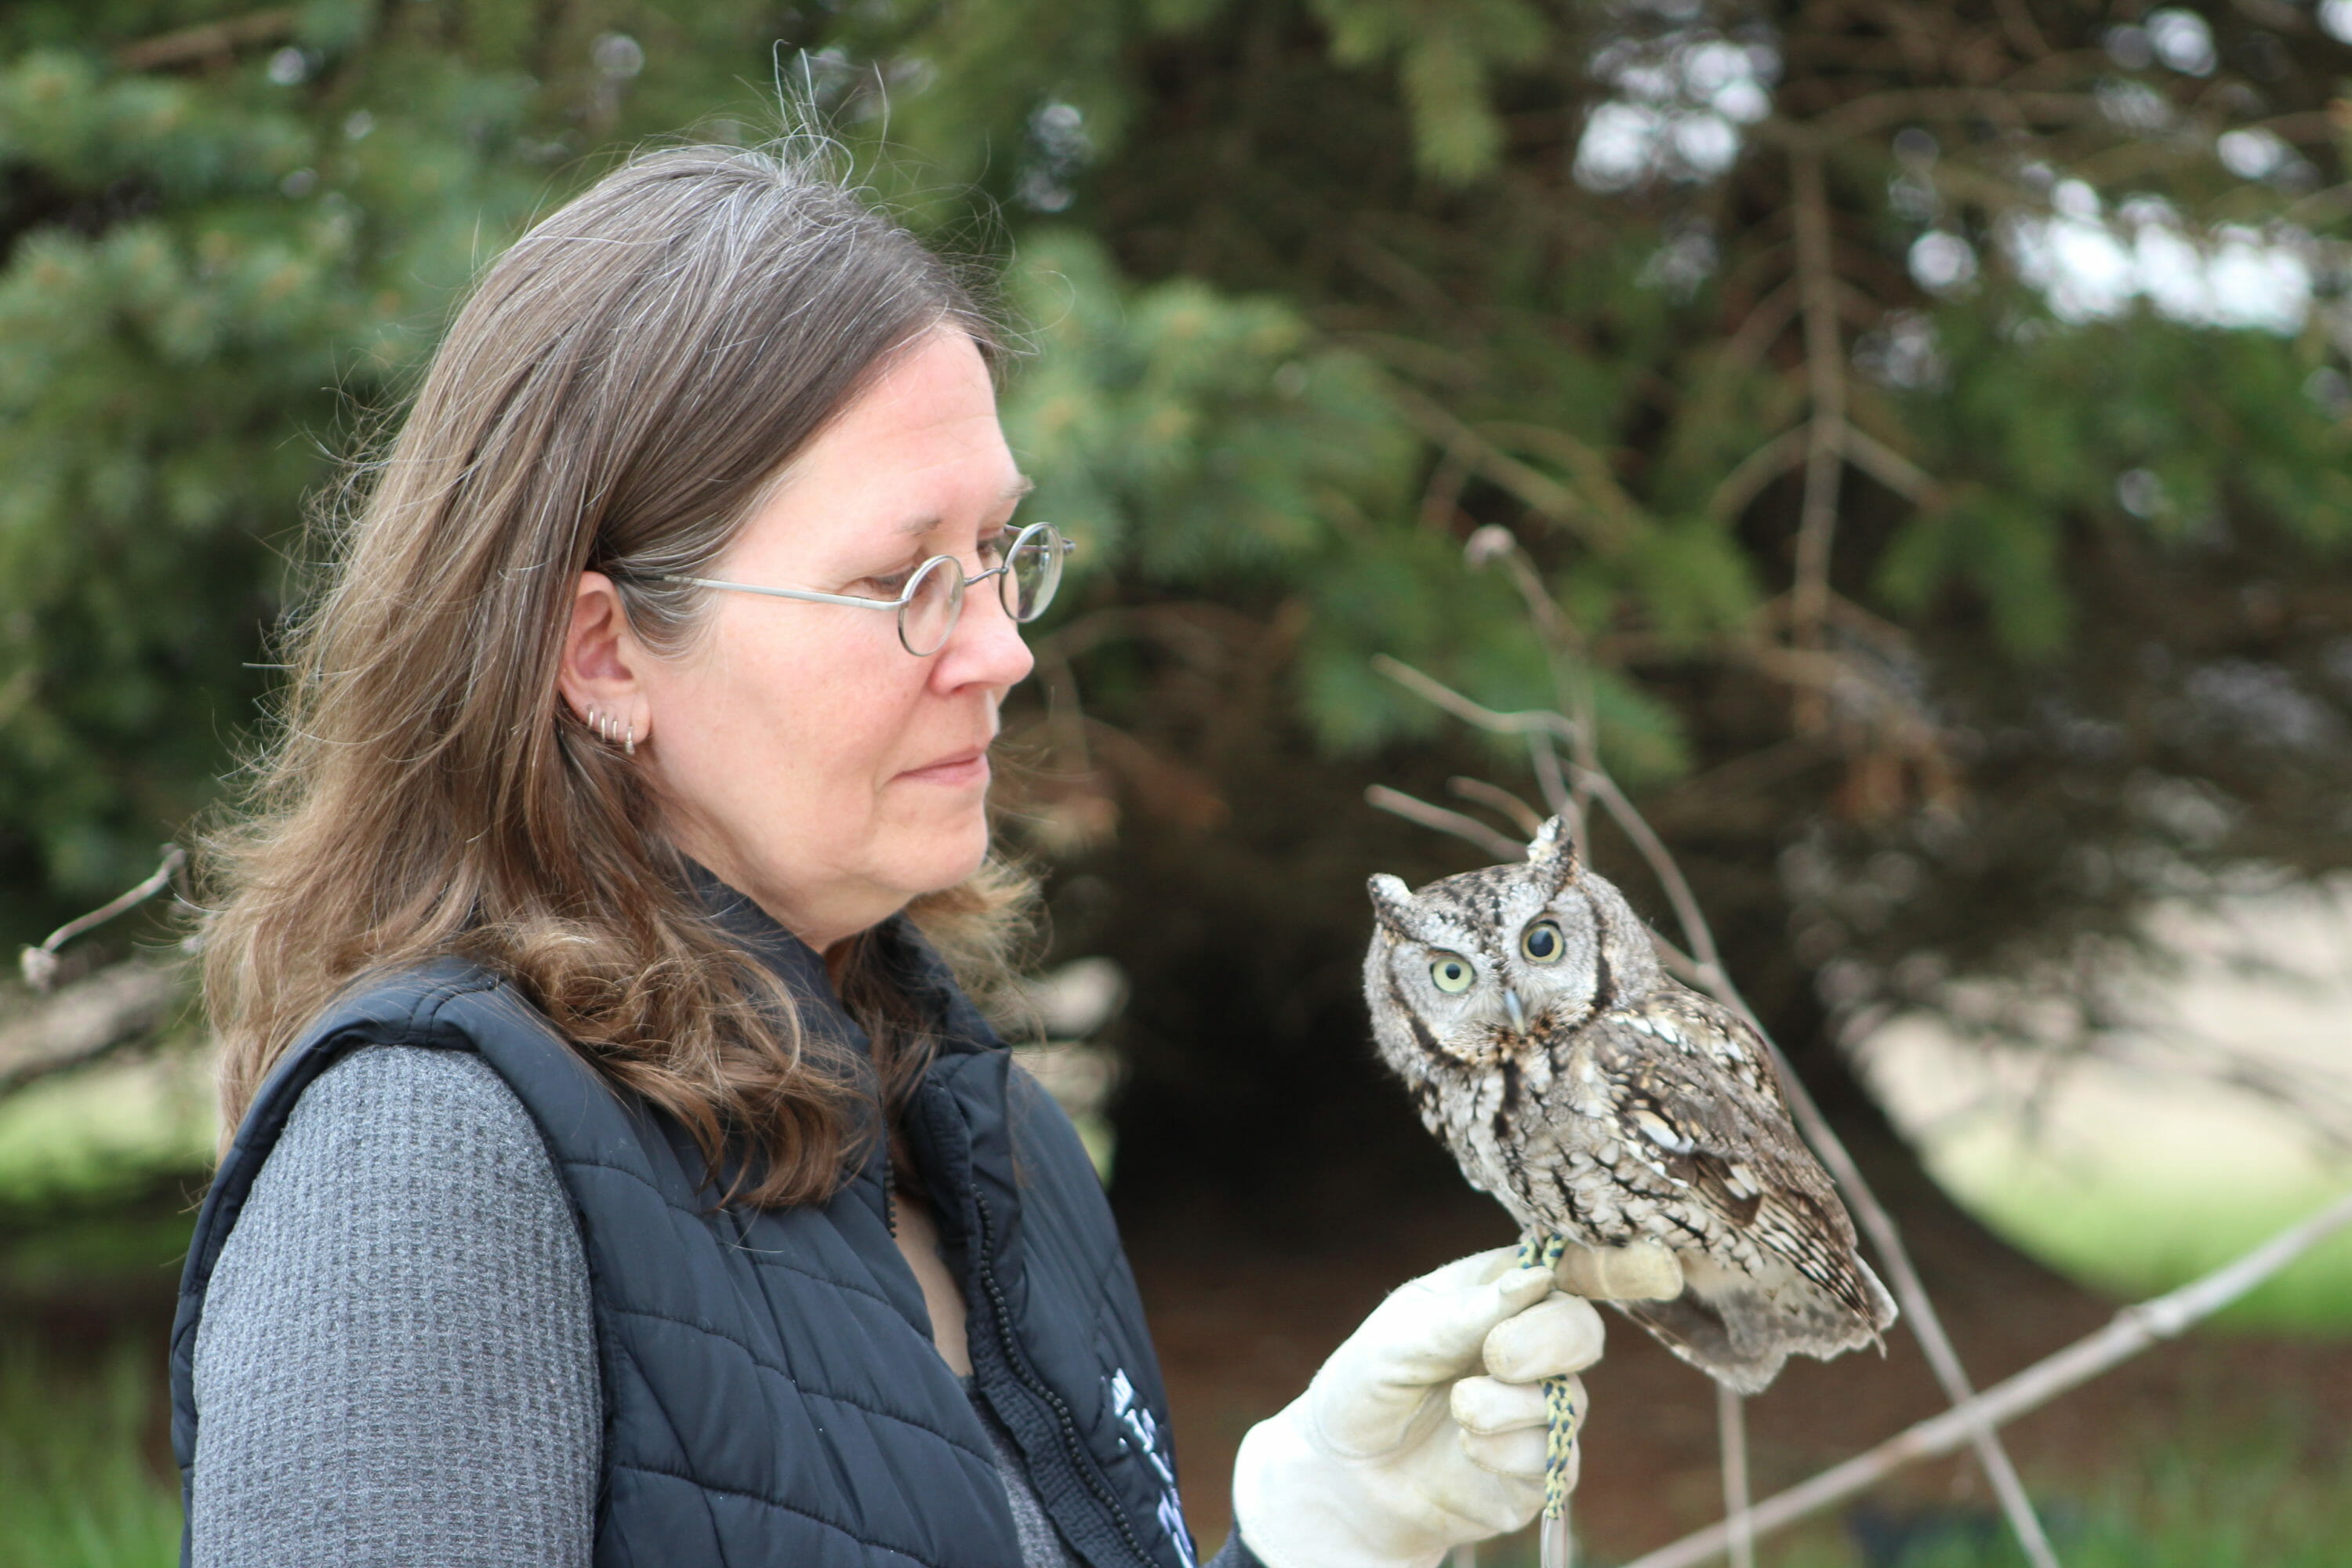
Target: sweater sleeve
x=397 y=1362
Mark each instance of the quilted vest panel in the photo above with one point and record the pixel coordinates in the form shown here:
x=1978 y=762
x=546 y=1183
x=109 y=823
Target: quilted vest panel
x=771 y=1395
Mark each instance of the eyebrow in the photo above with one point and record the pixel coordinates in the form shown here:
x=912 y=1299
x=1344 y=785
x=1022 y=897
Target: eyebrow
x=916 y=527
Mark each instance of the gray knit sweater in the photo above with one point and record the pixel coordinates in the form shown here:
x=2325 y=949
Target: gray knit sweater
x=397 y=1359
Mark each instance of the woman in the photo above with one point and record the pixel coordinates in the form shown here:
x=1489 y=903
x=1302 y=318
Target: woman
x=620 y=1173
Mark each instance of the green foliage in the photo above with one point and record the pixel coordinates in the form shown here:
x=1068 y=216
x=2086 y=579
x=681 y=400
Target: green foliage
x=205 y=274
x=1314 y=288
x=1188 y=435
x=76 y=1484
x=1447 y=54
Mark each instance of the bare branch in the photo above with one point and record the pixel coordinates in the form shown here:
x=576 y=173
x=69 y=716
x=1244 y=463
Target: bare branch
x=1873 y=1217
x=1754 y=471
x=96 y=1016
x=207 y=43
x=1571 y=670
x=2132 y=1331
x=1524 y=817
x=1539 y=725
x=1663 y=866
x=1531 y=721
x=1444 y=821
x=1889 y=466
x=2017 y=23
x=1825 y=386
x=1876 y=112
x=40 y=964
x=1763 y=326
x=1603 y=527
x=1731 y=1431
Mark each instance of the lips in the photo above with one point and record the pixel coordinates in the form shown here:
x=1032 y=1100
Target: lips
x=964 y=768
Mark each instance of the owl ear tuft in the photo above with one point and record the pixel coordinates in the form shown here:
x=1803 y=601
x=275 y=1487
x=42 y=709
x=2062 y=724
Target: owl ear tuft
x=1391 y=904
x=1551 y=853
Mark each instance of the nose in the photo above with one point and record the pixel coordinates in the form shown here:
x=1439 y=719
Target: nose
x=986 y=647
x=1518 y=1014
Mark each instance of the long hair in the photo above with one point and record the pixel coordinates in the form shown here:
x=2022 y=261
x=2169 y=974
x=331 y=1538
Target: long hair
x=617 y=393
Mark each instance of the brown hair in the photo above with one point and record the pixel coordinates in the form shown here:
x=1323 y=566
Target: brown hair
x=617 y=393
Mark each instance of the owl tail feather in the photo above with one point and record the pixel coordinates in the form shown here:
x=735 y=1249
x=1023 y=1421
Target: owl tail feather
x=1694 y=1331
x=1739 y=1332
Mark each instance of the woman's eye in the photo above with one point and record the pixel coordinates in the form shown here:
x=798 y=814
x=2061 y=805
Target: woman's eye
x=1542 y=942
x=1451 y=973
x=888 y=586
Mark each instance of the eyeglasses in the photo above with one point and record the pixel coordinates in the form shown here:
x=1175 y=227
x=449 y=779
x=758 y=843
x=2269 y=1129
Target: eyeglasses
x=933 y=601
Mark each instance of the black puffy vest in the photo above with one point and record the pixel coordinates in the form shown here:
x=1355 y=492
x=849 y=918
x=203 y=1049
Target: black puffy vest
x=771 y=1394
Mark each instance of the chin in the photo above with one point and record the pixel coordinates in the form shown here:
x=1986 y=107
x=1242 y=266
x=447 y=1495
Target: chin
x=949 y=857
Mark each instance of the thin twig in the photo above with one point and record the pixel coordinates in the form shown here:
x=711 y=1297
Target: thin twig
x=208 y=43
x=1759 y=469
x=1825 y=429
x=1889 y=466
x=1875 y=1221
x=1444 y=821
x=1571 y=670
x=1669 y=873
x=40 y=964
x=1731 y=1428
x=96 y=1016
x=1528 y=722
x=1603 y=525
x=2132 y=1331
x=1925 y=1322
x=1524 y=817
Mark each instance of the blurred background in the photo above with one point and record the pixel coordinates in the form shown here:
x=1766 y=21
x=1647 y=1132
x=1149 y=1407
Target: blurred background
x=1931 y=415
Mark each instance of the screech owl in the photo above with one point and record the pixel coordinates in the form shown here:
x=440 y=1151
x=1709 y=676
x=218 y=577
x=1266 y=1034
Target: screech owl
x=1600 y=1099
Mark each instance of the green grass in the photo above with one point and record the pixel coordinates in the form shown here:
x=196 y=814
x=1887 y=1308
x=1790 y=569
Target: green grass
x=81 y=1488
x=2272 y=1490
x=106 y=1130
x=76 y=1489
x=2133 y=1233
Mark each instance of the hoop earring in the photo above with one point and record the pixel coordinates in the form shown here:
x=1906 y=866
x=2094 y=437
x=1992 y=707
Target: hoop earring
x=614 y=732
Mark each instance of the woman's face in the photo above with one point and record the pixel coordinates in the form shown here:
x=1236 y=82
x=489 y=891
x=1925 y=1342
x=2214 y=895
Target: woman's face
x=802 y=754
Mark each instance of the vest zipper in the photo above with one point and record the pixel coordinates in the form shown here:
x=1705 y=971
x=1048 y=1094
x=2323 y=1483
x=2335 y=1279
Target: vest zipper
x=1017 y=1359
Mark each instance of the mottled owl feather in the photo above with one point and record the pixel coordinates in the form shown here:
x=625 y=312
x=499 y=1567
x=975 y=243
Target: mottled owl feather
x=1596 y=1097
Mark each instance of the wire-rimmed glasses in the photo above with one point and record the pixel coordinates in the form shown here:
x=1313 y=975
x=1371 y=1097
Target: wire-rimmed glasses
x=933 y=601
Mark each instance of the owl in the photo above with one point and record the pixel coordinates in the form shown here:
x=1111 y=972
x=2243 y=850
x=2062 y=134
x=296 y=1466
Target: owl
x=1598 y=1099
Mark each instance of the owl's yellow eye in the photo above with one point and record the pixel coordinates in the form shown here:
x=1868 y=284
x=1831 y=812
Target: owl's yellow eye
x=1452 y=974
x=1542 y=942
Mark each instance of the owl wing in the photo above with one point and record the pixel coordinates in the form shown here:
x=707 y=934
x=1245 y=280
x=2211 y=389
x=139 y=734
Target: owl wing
x=1704 y=1137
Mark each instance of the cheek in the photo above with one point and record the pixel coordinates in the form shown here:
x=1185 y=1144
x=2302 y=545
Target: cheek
x=805 y=720
x=854 y=692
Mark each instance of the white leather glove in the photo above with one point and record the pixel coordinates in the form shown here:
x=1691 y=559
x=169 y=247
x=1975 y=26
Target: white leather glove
x=1401 y=1449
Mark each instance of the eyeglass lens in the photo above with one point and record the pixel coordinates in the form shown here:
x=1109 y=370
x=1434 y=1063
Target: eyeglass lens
x=935 y=597
x=1033 y=572
x=934 y=600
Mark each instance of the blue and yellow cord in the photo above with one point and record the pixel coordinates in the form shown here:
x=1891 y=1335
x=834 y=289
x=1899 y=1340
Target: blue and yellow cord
x=1559 y=1405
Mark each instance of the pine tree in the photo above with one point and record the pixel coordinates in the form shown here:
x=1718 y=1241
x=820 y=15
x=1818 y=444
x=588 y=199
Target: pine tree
x=1955 y=575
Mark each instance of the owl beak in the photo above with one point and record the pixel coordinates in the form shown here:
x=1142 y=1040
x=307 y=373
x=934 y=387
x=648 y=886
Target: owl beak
x=1518 y=1014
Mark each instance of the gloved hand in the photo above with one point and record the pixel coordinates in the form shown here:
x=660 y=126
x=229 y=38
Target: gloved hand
x=1399 y=1450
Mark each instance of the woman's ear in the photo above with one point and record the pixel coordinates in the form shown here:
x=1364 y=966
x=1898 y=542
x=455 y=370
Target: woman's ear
x=601 y=676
